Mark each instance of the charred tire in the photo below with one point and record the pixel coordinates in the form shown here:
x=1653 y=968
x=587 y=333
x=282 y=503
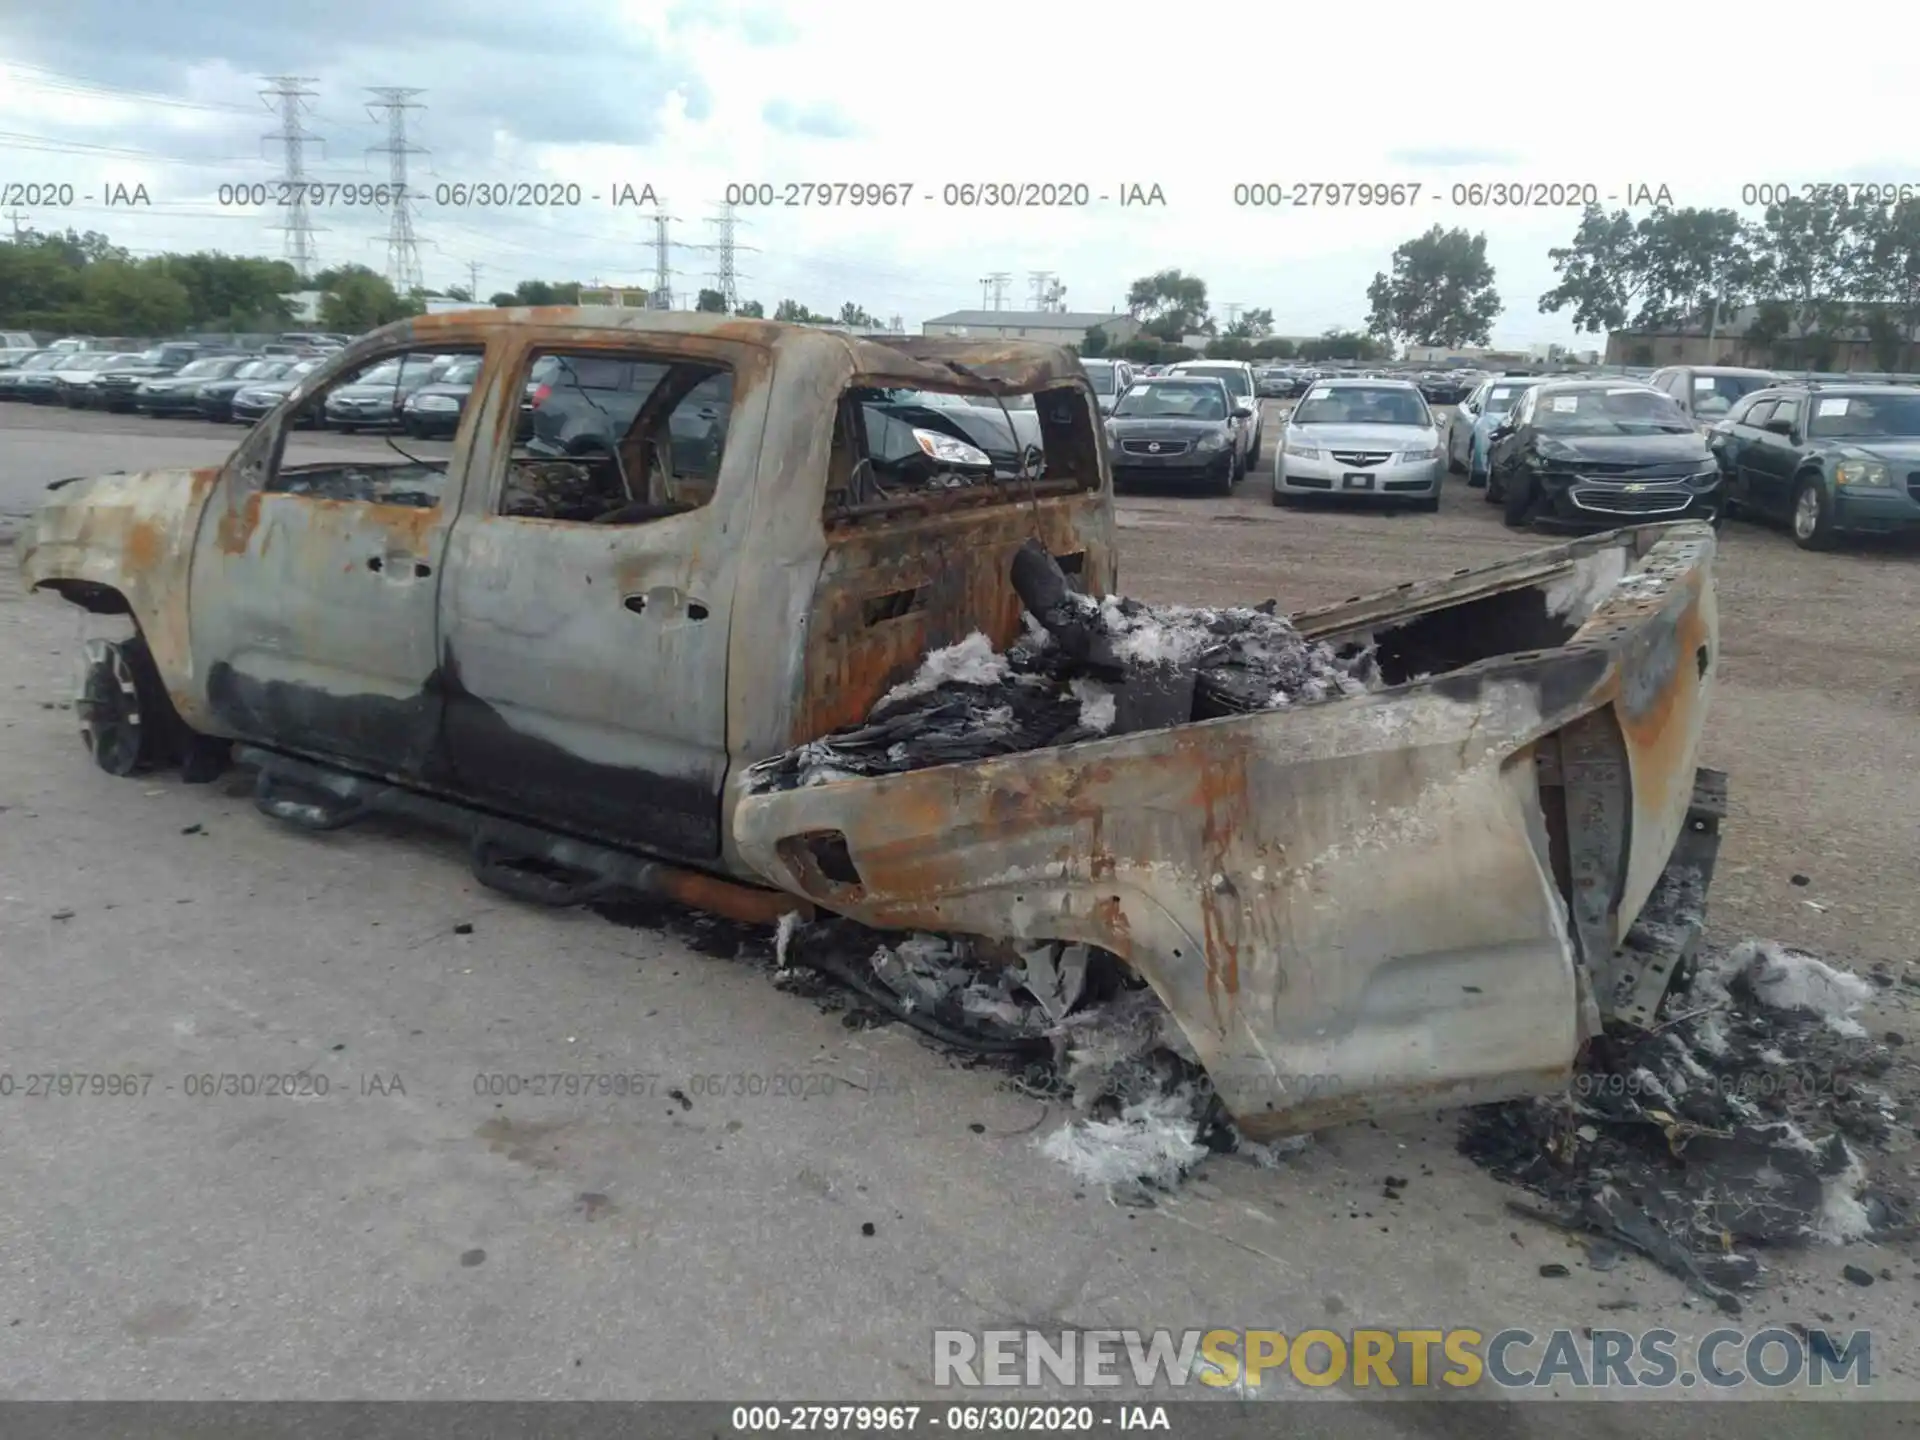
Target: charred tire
x=126 y=720
x=1811 y=518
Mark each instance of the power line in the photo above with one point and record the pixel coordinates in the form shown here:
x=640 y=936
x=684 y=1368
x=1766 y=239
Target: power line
x=727 y=276
x=79 y=85
x=289 y=91
x=403 y=247
x=660 y=297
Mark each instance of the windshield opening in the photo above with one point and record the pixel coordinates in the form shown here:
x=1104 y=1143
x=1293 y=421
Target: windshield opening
x=1608 y=412
x=1715 y=394
x=1500 y=399
x=1865 y=417
x=1155 y=401
x=1362 y=405
x=1101 y=377
x=200 y=367
x=1235 y=377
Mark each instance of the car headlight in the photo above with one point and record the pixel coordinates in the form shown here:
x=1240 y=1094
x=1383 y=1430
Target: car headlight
x=1215 y=440
x=1430 y=453
x=1869 y=473
x=949 y=451
x=1302 y=452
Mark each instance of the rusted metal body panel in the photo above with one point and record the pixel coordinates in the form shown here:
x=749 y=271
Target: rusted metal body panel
x=1350 y=907
x=577 y=673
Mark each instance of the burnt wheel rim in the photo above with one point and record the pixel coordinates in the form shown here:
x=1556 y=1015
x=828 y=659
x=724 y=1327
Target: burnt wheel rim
x=108 y=708
x=1806 y=513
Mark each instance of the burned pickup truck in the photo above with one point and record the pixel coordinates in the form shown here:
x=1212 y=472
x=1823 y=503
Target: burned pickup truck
x=1418 y=886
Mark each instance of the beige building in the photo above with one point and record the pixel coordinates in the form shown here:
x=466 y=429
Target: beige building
x=1050 y=327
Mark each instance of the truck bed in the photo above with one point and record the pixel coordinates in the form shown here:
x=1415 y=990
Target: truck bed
x=1412 y=897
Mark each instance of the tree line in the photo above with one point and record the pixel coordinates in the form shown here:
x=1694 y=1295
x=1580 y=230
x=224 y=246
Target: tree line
x=82 y=283
x=1171 y=306
x=1814 y=269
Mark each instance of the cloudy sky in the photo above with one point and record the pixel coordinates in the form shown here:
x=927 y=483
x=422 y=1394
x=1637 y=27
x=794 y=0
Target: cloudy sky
x=690 y=96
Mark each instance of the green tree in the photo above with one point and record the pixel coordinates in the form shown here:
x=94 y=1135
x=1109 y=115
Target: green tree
x=752 y=309
x=1888 y=264
x=1274 y=347
x=1094 y=344
x=1440 y=291
x=356 y=299
x=1170 y=304
x=855 y=317
x=1670 y=268
x=129 y=299
x=796 y=313
x=711 y=302
x=1338 y=344
x=1807 y=257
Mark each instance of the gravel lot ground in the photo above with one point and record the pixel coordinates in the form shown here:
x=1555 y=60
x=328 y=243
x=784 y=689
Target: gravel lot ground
x=442 y=1243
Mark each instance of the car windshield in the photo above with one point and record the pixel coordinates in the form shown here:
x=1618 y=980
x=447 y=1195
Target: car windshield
x=462 y=371
x=1501 y=397
x=385 y=373
x=989 y=402
x=1865 y=417
x=41 y=362
x=1101 y=377
x=1361 y=405
x=257 y=370
x=1624 y=410
x=199 y=368
x=1170 y=400
x=1235 y=377
x=1715 y=394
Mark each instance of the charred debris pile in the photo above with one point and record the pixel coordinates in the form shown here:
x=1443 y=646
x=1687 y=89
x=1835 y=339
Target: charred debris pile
x=1735 y=1124
x=1073 y=1019
x=1087 y=669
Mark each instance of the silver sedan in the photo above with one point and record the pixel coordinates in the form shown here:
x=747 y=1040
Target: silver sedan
x=1361 y=439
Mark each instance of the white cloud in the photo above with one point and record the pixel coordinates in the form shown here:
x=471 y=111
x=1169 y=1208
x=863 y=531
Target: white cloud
x=1192 y=102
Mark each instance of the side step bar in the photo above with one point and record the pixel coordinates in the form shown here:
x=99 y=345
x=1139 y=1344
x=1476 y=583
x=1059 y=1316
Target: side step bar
x=527 y=862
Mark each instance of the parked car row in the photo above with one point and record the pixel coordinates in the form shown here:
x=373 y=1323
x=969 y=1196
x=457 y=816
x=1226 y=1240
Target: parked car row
x=1828 y=459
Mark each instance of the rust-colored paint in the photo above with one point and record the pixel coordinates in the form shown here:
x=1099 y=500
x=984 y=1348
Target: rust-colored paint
x=1659 y=736
x=145 y=547
x=237 y=525
x=960 y=565
x=1220 y=792
x=745 y=904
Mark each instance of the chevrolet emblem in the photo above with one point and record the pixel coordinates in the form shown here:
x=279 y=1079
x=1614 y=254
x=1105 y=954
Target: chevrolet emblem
x=1635 y=489
x=1154 y=448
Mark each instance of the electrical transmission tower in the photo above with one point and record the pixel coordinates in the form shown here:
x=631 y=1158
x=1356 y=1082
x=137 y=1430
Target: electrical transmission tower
x=403 y=246
x=661 y=296
x=289 y=96
x=993 y=290
x=1045 y=283
x=726 y=275
x=1234 y=307
x=17 y=216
